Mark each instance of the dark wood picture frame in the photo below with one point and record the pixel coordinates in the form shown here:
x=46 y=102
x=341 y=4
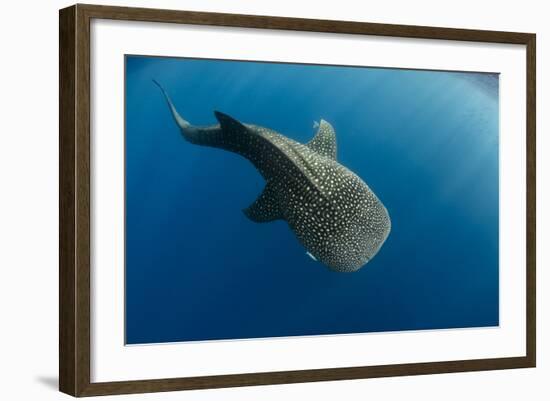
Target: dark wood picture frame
x=74 y=200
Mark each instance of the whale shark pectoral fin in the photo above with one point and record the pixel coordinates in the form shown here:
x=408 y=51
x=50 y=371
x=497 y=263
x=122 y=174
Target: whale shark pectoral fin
x=266 y=207
x=324 y=142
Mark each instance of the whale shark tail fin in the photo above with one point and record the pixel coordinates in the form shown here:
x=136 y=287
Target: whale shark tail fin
x=183 y=124
x=205 y=136
x=230 y=134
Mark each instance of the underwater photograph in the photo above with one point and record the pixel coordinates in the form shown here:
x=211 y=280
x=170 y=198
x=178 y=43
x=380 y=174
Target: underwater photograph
x=270 y=199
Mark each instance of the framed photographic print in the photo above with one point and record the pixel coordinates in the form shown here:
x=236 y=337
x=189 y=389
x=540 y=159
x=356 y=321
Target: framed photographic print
x=250 y=200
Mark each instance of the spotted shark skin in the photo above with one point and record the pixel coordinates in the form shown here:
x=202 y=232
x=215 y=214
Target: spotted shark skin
x=334 y=214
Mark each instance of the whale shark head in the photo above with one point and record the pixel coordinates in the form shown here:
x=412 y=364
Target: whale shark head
x=359 y=240
x=345 y=225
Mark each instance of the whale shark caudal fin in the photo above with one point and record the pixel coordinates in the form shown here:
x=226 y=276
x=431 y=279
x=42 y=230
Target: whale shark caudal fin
x=230 y=134
x=324 y=142
x=183 y=124
x=266 y=207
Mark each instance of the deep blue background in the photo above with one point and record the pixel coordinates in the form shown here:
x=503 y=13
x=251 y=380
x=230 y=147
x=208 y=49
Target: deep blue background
x=426 y=142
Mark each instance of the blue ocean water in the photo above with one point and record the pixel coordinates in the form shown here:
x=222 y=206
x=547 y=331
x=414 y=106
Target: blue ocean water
x=426 y=142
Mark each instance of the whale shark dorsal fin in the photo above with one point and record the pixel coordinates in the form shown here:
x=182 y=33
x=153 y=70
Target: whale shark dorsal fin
x=228 y=122
x=324 y=141
x=266 y=207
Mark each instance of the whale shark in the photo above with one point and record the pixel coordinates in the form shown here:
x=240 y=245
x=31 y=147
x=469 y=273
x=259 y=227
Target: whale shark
x=334 y=214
